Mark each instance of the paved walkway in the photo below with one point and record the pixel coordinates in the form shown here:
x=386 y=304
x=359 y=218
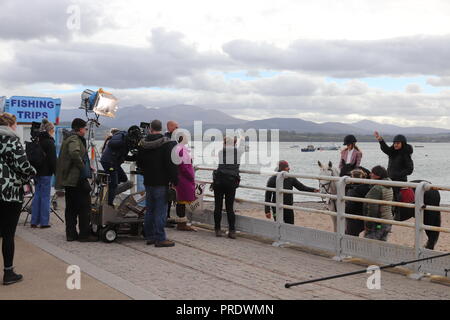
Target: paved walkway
x=45 y=278
x=200 y=266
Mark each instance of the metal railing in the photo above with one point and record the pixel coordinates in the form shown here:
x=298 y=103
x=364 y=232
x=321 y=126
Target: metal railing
x=342 y=244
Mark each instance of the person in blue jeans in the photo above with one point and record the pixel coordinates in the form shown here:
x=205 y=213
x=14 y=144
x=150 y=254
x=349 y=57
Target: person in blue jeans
x=156 y=216
x=40 y=208
x=154 y=157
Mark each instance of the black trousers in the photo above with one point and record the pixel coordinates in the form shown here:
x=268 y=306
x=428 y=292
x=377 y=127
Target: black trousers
x=9 y=218
x=78 y=206
x=230 y=194
x=288 y=216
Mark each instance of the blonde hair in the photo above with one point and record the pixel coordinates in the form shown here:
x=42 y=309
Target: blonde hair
x=358 y=174
x=229 y=141
x=7 y=119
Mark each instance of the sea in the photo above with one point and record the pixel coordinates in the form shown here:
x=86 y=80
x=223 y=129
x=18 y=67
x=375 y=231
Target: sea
x=431 y=163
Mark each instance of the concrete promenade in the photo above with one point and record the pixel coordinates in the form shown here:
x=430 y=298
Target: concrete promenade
x=200 y=266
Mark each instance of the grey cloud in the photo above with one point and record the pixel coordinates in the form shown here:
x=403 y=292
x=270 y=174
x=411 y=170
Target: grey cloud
x=287 y=84
x=116 y=66
x=413 y=88
x=42 y=19
x=439 y=82
x=343 y=58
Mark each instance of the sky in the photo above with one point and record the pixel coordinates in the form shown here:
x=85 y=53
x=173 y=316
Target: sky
x=321 y=60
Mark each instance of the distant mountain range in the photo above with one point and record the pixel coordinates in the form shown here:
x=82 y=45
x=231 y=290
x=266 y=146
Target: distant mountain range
x=186 y=115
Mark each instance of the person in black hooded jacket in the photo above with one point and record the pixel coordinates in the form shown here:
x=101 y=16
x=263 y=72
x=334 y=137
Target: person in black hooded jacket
x=401 y=164
x=154 y=157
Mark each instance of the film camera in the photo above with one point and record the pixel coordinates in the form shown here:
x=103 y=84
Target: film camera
x=135 y=135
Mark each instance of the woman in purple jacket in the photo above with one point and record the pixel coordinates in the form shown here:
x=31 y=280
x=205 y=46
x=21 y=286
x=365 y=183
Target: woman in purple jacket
x=186 y=182
x=350 y=156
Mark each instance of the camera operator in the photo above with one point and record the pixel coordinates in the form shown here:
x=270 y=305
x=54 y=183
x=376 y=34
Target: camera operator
x=115 y=154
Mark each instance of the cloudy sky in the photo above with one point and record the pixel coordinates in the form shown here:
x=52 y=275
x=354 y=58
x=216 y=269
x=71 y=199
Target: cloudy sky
x=321 y=60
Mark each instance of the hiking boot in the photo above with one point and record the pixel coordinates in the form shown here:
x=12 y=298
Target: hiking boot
x=33 y=226
x=219 y=233
x=10 y=277
x=165 y=244
x=232 y=234
x=88 y=239
x=182 y=226
x=45 y=227
x=151 y=242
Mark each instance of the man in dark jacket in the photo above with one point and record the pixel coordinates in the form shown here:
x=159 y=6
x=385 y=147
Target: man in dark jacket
x=288 y=198
x=113 y=157
x=72 y=173
x=155 y=159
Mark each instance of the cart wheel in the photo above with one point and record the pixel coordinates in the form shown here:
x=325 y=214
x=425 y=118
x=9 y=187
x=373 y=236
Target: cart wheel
x=108 y=235
x=95 y=229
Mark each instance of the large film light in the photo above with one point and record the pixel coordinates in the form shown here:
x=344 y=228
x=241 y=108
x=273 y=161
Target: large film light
x=101 y=102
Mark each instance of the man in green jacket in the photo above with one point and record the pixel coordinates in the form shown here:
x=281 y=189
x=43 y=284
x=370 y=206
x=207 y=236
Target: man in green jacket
x=72 y=173
x=374 y=230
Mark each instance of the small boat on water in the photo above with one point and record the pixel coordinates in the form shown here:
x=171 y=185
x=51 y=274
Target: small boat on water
x=328 y=148
x=309 y=148
x=419 y=146
x=295 y=147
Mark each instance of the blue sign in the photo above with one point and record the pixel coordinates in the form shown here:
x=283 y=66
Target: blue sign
x=29 y=109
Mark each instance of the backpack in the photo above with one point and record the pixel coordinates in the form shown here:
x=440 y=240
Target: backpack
x=407 y=195
x=225 y=179
x=35 y=153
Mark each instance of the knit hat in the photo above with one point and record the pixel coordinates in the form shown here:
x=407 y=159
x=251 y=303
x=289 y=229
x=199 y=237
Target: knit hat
x=282 y=165
x=46 y=126
x=78 y=124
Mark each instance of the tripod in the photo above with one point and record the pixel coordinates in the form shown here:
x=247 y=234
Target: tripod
x=29 y=196
x=93 y=151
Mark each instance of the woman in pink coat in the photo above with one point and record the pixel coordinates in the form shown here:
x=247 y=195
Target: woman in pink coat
x=350 y=156
x=186 y=182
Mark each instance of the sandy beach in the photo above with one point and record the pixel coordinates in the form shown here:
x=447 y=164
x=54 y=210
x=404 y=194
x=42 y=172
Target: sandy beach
x=400 y=235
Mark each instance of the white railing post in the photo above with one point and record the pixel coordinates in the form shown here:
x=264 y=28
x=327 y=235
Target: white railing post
x=419 y=214
x=279 y=206
x=340 y=219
